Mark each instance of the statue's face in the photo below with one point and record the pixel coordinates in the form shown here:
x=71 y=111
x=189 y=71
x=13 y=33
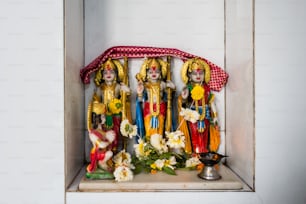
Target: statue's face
x=109 y=75
x=153 y=74
x=197 y=75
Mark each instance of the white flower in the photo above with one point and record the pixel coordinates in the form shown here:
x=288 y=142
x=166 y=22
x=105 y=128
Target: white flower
x=158 y=143
x=139 y=148
x=175 y=139
x=192 y=162
x=127 y=129
x=133 y=131
x=123 y=159
x=190 y=115
x=123 y=173
x=170 y=162
x=158 y=164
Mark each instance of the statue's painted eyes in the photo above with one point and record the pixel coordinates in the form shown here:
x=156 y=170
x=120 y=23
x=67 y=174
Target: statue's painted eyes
x=195 y=72
x=108 y=72
x=154 y=71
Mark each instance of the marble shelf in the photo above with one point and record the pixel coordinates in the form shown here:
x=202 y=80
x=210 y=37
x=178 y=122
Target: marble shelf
x=184 y=181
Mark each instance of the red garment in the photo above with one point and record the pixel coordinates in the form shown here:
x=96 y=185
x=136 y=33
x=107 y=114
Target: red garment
x=116 y=128
x=200 y=139
x=95 y=156
x=146 y=109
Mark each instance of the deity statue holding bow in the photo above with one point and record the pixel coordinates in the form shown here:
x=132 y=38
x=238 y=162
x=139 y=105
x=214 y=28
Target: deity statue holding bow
x=109 y=79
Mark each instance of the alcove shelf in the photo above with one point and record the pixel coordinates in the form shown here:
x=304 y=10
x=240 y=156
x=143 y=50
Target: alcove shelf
x=225 y=37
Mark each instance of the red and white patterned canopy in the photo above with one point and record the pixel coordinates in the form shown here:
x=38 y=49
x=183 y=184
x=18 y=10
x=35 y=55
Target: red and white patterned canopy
x=218 y=76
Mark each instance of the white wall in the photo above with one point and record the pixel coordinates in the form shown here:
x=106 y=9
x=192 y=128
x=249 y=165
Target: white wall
x=74 y=90
x=240 y=114
x=32 y=102
x=280 y=101
x=31 y=107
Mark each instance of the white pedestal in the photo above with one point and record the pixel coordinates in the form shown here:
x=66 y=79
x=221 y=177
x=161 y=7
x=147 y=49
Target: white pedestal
x=184 y=180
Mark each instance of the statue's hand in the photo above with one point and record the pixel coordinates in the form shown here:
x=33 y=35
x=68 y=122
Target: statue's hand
x=96 y=141
x=93 y=138
x=125 y=88
x=170 y=84
x=103 y=119
x=140 y=88
x=185 y=92
x=215 y=122
x=110 y=135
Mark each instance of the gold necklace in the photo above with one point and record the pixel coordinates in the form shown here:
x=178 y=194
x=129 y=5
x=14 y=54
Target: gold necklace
x=108 y=92
x=154 y=89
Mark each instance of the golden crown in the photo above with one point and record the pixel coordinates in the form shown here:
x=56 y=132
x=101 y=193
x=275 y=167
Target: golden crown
x=108 y=64
x=153 y=63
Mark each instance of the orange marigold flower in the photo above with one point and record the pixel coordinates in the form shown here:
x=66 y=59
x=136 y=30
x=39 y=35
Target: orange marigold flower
x=153 y=171
x=200 y=167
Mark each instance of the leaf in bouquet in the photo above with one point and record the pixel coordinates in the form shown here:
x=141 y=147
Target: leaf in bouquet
x=178 y=156
x=180 y=161
x=180 y=164
x=168 y=170
x=138 y=168
x=148 y=146
x=165 y=155
x=154 y=157
x=149 y=162
x=134 y=157
x=136 y=161
x=147 y=169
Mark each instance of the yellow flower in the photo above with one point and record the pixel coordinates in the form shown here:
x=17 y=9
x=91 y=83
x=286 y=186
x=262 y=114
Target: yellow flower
x=169 y=162
x=153 y=166
x=197 y=92
x=115 y=106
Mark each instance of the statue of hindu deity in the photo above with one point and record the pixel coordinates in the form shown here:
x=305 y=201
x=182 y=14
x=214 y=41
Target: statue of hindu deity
x=109 y=78
x=202 y=134
x=151 y=103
